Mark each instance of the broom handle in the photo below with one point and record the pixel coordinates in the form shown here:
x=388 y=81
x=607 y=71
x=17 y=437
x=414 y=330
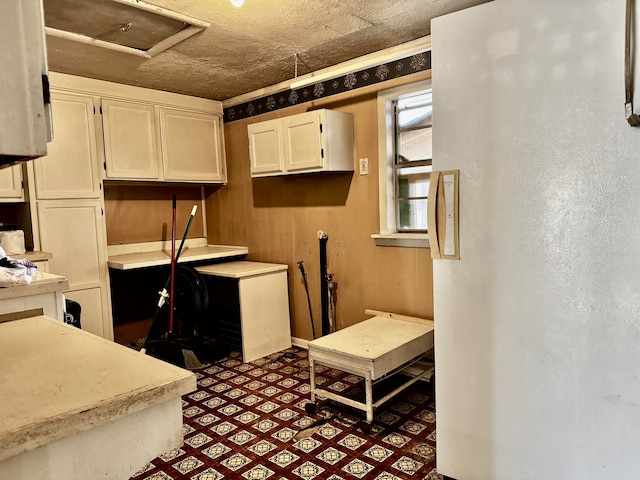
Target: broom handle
x=173 y=263
x=184 y=237
x=166 y=285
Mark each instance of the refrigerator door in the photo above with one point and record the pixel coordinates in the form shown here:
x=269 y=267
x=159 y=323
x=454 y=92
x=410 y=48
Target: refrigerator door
x=537 y=326
x=25 y=116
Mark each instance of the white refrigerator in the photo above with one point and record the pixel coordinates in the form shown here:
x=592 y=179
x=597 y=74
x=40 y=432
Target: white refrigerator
x=537 y=325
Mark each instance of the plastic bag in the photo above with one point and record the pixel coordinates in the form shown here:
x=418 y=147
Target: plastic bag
x=12 y=241
x=15 y=272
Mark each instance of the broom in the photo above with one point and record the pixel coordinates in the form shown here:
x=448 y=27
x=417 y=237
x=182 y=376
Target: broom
x=191 y=360
x=188 y=356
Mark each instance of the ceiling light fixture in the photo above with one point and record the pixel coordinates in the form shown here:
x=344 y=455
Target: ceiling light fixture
x=237 y=3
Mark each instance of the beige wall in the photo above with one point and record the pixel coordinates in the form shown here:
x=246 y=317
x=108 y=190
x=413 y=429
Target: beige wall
x=278 y=219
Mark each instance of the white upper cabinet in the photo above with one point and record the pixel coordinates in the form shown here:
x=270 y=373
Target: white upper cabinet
x=265 y=140
x=192 y=146
x=130 y=140
x=315 y=141
x=11 y=184
x=303 y=148
x=137 y=134
x=70 y=168
x=143 y=141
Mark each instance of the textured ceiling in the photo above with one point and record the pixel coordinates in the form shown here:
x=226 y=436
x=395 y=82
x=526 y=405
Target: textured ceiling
x=250 y=47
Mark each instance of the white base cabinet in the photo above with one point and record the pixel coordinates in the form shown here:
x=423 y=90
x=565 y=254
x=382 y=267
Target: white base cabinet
x=255 y=307
x=315 y=141
x=73 y=230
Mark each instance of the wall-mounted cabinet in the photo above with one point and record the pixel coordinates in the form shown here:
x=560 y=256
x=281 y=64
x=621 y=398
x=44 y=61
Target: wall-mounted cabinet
x=315 y=141
x=70 y=169
x=192 y=146
x=147 y=142
x=130 y=140
x=11 y=184
x=67 y=208
x=107 y=130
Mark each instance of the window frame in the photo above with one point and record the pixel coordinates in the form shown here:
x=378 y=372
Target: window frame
x=389 y=234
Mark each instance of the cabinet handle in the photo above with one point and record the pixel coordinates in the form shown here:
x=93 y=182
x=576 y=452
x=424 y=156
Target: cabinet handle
x=442 y=215
x=432 y=206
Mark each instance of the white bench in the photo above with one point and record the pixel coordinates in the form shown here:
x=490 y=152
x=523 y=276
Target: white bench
x=374 y=349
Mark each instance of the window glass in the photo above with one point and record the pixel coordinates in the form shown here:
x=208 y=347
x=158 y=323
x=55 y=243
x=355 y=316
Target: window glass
x=414 y=145
x=413 y=154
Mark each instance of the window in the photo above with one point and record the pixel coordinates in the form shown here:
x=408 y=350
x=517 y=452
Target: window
x=404 y=132
x=412 y=161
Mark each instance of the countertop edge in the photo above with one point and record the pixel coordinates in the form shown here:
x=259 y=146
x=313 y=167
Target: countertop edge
x=131 y=261
x=26 y=438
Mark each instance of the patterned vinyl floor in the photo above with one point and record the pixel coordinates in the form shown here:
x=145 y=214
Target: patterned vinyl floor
x=241 y=423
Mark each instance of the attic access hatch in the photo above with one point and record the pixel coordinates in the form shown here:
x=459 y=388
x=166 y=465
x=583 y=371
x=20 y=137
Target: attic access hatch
x=129 y=26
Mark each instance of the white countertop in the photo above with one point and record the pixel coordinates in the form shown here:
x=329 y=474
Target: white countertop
x=43 y=282
x=129 y=261
x=58 y=380
x=241 y=269
x=34 y=256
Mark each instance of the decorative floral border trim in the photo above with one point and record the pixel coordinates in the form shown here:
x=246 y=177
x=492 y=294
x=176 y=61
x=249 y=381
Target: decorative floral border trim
x=351 y=81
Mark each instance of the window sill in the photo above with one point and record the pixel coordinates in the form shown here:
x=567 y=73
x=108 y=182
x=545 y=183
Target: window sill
x=419 y=240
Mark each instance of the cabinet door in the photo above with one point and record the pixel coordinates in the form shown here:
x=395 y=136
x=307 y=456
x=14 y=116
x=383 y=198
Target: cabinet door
x=265 y=148
x=11 y=184
x=73 y=231
x=70 y=169
x=192 y=148
x=130 y=140
x=91 y=317
x=302 y=148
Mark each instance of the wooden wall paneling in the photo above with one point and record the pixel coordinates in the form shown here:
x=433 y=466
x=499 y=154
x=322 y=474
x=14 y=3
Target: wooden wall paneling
x=288 y=257
x=396 y=273
x=306 y=248
x=362 y=286
x=424 y=281
x=225 y=215
x=214 y=229
x=281 y=217
x=135 y=214
x=238 y=180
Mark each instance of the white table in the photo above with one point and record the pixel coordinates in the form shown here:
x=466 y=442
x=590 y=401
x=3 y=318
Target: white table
x=74 y=406
x=262 y=294
x=374 y=349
